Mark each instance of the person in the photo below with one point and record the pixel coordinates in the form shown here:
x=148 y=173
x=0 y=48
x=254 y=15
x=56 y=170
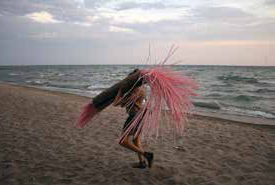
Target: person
x=133 y=104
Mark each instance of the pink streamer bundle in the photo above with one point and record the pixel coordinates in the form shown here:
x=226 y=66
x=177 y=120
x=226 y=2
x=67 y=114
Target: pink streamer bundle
x=88 y=112
x=169 y=95
x=168 y=90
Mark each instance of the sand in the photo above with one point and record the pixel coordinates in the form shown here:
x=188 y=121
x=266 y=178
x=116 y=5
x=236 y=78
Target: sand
x=39 y=144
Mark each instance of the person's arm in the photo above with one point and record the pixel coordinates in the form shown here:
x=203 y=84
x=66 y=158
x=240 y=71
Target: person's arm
x=118 y=98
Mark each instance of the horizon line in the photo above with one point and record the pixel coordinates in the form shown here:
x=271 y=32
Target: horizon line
x=18 y=65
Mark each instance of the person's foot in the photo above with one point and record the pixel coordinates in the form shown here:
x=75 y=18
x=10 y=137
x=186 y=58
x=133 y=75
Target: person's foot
x=141 y=164
x=149 y=157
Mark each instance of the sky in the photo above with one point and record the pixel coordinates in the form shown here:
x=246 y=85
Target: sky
x=206 y=32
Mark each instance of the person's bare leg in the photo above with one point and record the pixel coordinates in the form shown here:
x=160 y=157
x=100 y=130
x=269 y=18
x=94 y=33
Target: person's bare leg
x=148 y=155
x=127 y=144
x=137 y=142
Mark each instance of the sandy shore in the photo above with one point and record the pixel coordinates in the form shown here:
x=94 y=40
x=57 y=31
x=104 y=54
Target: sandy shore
x=40 y=145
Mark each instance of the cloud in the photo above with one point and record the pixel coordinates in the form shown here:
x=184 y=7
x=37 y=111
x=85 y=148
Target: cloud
x=91 y=4
x=224 y=14
x=99 y=26
x=86 y=24
x=15 y=8
x=270 y=2
x=120 y=29
x=42 y=17
x=63 y=10
x=166 y=21
x=144 y=5
x=80 y=2
x=135 y=16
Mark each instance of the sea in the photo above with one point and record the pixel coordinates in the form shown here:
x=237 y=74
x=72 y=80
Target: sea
x=241 y=93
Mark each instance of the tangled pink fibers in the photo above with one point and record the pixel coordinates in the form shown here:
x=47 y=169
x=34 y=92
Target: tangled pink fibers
x=168 y=90
x=88 y=112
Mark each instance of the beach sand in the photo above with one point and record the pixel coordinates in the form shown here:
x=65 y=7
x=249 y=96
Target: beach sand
x=39 y=144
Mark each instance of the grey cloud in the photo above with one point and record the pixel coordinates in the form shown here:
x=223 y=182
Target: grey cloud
x=95 y=3
x=23 y=41
x=189 y=26
x=132 y=5
x=270 y=2
x=146 y=6
x=210 y=23
x=16 y=27
x=204 y=23
x=65 y=10
x=70 y=43
x=14 y=8
x=226 y=14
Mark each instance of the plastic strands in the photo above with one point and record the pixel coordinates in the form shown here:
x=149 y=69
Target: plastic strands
x=170 y=92
x=169 y=97
x=88 y=112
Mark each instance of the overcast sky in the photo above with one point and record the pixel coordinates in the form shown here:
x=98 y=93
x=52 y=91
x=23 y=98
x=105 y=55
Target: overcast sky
x=224 y=32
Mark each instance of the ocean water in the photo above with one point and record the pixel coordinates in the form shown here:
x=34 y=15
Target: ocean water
x=228 y=90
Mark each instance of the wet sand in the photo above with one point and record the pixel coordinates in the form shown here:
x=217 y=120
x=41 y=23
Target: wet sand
x=39 y=144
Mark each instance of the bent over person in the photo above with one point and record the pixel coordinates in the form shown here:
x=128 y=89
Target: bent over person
x=133 y=104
